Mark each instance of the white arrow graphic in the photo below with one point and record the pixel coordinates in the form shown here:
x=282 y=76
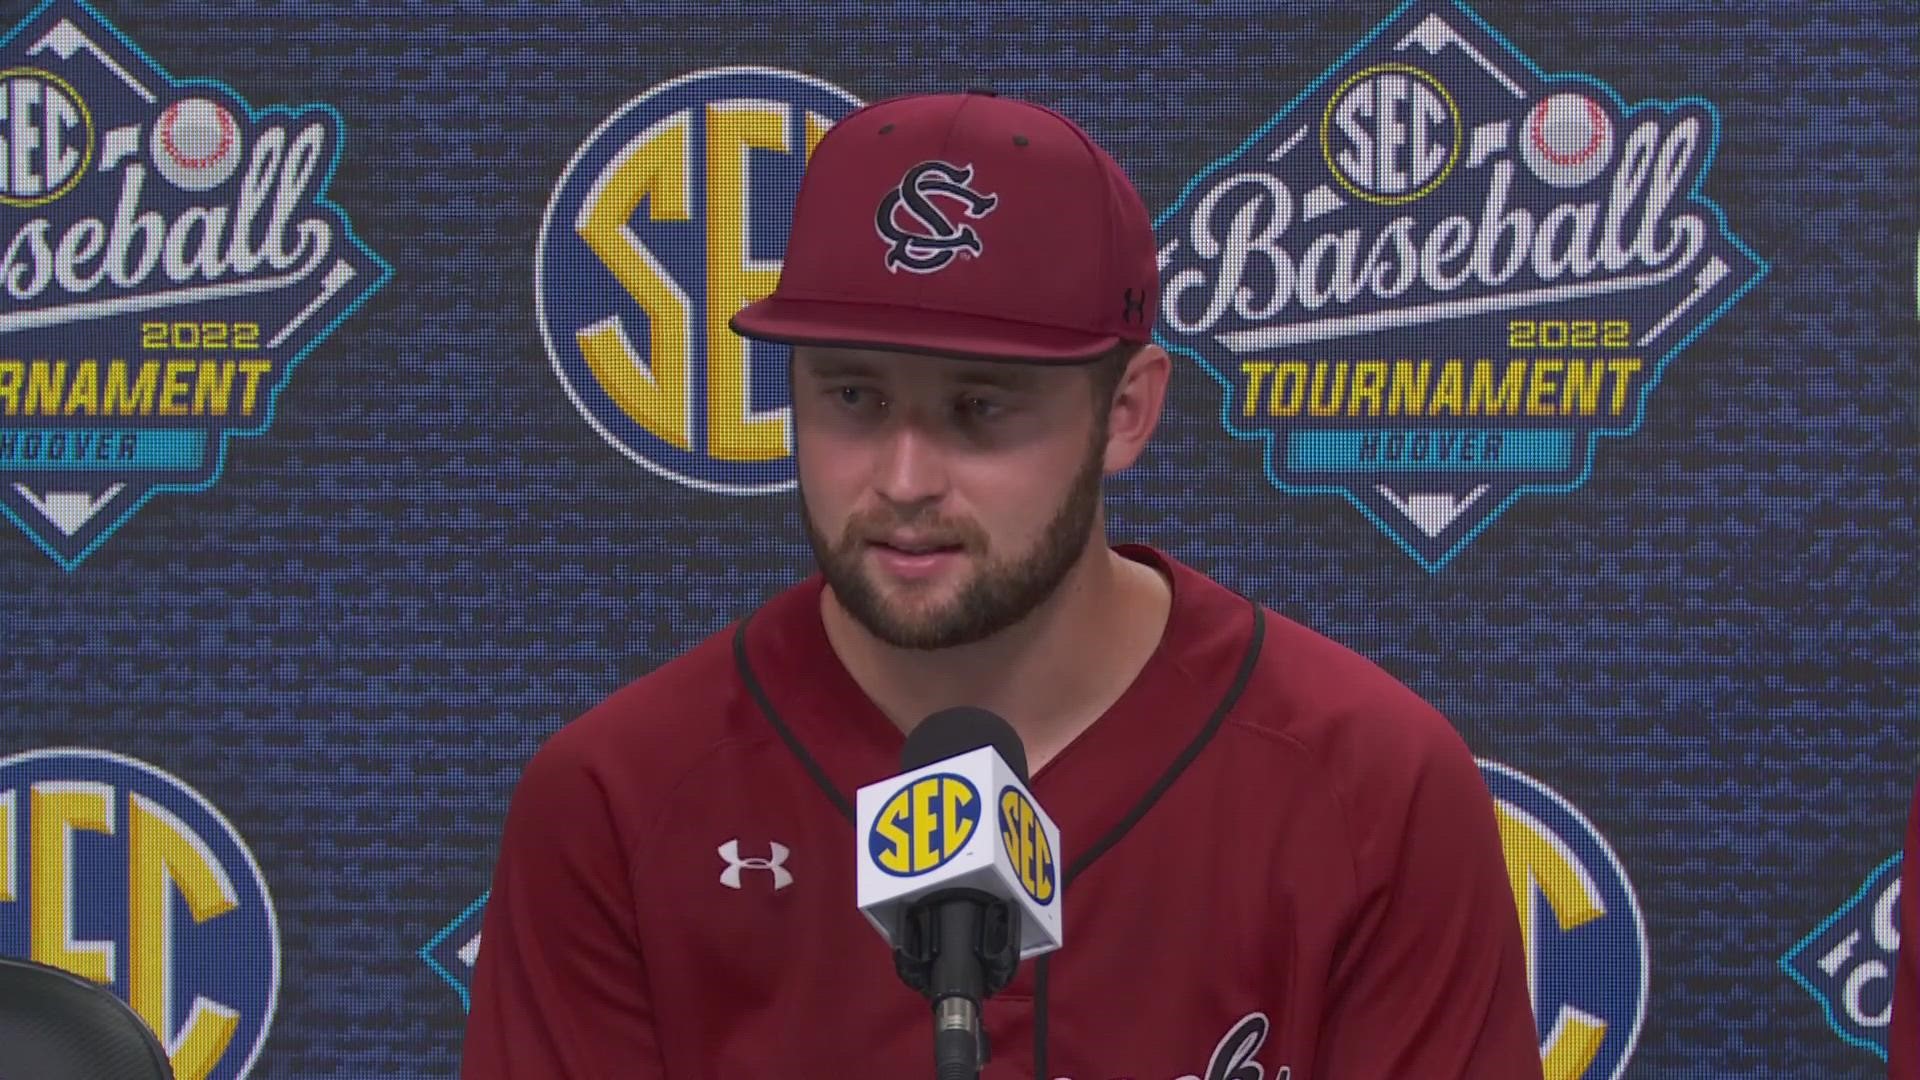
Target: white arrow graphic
x=69 y=510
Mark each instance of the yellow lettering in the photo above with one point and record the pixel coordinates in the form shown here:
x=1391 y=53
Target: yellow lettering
x=1582 y=396
x=735 y=432
x=13 y=376
x=1010 y=823
x=959 y=829
x=84 y=395
x=1255 y=371
x=1449 y=391
x=926 y=797
x=9 y=865
x=46 y=385
x=1540 y=867
x=1369 y=380
x=899 y=844
x=1486 y=399
x=1033 y=843
x=213 y=390
x=1321 y=399
x=174 y=388
x=1043 y=859
x=58 y=809
x=163 y=855
x=1623 y=373
x=1407 y=392
x=653 y=390
x=1541 y=384
x=129 y=399
x=1292 y=376
x=249 y=391
x=1571 y=1046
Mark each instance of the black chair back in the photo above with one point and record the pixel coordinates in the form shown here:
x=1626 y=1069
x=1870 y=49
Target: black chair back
x=58 y=1026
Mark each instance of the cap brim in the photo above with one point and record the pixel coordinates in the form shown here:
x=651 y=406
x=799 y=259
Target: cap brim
x=842 y=324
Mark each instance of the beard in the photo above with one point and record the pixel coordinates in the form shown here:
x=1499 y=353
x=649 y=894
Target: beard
x=999 y=594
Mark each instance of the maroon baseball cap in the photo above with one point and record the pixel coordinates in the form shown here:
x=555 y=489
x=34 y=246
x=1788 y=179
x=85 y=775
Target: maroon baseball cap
x=965 y=225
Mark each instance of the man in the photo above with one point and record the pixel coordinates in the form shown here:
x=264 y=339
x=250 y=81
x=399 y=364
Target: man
x=1903 y=1035
x=1278 y=862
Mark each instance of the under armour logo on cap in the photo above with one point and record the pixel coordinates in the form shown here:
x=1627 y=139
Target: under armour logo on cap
x=921 y=236
x=777 y=865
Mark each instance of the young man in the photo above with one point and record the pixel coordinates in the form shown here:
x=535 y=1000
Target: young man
x=1903 y=1035
x=1277 y=861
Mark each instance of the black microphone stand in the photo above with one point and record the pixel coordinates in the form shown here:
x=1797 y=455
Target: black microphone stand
x=958 y=947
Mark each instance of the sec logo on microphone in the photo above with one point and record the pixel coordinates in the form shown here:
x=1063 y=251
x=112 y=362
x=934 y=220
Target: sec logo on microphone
x=1026 y=844
x=924 y=824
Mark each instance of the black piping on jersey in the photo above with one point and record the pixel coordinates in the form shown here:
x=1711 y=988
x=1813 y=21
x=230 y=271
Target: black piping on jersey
x=780 y=727
x=1100 y=847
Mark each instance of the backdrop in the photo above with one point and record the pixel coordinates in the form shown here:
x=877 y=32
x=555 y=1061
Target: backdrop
x=367 y=412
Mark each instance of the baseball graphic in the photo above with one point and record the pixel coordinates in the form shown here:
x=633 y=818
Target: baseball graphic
x=196 y=144
x=1567 y=140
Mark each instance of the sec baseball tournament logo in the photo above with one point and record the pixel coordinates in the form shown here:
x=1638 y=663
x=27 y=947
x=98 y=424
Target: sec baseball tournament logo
x=169 y=256
x=1586 y=943
x=1438 y=276
x=672 y=217
x=122 y=874
x=1847 y=962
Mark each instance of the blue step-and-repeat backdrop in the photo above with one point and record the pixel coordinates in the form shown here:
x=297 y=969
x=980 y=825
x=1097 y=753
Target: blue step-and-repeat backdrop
x=367 y=411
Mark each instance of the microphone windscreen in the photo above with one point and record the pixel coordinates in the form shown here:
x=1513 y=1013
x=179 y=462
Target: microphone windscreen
x=951 y=732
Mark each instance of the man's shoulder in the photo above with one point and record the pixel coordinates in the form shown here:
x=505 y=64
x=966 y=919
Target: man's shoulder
x=1318 y=692
x=659 y=724
x=1308 y=695
x=651 y=728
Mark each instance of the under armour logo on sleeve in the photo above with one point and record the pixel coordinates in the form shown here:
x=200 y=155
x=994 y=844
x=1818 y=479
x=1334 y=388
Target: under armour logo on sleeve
x=777 y=865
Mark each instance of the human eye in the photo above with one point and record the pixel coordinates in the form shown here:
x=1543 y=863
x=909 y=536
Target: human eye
x=854 y=398
x=979 y=408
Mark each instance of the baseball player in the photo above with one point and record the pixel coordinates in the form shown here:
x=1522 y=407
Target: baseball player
x=1278 y=862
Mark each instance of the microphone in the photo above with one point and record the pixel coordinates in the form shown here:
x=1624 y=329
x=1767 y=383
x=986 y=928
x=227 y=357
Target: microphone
x=958 y=871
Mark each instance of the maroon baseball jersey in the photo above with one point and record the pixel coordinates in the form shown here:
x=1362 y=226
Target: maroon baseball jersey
x=1279 y=865
x=1903 y=1036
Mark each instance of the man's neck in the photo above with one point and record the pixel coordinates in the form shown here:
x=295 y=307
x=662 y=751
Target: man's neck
x=1051 y=675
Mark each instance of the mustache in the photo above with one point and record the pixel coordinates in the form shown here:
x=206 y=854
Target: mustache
x=878 y=522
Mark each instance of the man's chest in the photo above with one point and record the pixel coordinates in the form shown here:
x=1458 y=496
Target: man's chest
x=1179 y=962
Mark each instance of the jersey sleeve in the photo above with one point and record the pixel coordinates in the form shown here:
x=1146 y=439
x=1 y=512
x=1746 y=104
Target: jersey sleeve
x=1903 y=1035
x=559 y=988
x=1431 y=978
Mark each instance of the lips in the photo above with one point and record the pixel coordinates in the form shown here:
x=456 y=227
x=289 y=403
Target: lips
x=911 y=546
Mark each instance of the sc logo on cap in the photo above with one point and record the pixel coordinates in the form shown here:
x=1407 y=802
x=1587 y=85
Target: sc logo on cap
x=924 y=824
x=1026 y=844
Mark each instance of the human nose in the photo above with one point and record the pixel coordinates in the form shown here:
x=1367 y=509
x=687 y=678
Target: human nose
x=911 y=468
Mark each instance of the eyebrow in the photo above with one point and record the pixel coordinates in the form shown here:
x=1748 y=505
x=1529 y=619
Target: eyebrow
x=998 y=377
x=840 y=369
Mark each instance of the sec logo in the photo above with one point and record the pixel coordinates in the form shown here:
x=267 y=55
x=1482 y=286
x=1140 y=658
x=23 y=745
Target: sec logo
x=924 y=824
x=1391 y=133
x=672 y=217
x=1026 y=844
x=122 y=874
x=49 y=137
x=1586 y=943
